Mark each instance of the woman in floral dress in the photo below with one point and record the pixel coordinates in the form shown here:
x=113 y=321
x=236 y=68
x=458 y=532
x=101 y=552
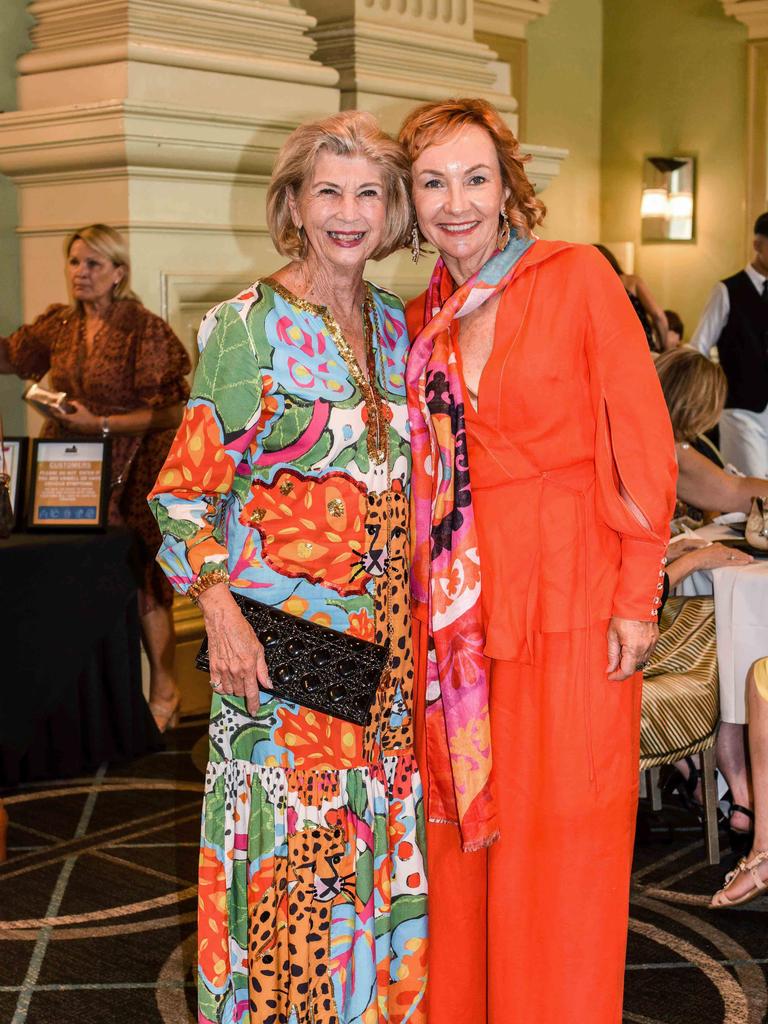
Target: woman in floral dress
x=288 y=483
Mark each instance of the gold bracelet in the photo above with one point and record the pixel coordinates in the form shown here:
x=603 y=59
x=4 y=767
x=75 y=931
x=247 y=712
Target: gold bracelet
x=208 y=579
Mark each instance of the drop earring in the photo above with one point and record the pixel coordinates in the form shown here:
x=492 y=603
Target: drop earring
x=504 y=231
x=415 y=247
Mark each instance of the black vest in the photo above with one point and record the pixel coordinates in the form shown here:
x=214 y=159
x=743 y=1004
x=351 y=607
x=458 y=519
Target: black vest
x=743 y=345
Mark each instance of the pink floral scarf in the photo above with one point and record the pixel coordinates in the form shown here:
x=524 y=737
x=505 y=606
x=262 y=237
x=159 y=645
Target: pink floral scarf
x=446 y=566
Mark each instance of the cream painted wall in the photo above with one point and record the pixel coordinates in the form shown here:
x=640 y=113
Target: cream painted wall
x=564 y=109
x=674 y=80
x=14 y=26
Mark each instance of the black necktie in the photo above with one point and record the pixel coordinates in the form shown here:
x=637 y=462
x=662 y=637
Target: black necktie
x=764 y=292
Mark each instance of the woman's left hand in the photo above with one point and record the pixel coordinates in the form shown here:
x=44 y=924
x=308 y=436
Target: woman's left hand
x=630 y=646
x=81 y=421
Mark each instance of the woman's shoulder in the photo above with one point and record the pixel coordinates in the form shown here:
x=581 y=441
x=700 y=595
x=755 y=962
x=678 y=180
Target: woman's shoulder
x=229 y=317
x=129 y=314
x=57 y=312
x=388 y=298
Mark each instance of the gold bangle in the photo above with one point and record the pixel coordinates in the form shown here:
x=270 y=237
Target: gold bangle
x=208 y=579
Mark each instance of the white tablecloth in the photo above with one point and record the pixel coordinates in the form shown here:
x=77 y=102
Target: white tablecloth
x=741 y=620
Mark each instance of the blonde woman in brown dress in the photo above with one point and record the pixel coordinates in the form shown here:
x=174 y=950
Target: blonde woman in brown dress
x=123 y=370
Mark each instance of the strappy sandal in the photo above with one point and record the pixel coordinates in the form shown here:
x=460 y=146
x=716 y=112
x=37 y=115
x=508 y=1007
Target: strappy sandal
x=674 y=783
x=720 y=900
x=741 y=840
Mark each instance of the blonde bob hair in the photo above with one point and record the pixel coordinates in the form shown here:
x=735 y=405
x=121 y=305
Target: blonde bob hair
x=352 y=133
x=694 y=389
x=110 y=244
x=433 y=123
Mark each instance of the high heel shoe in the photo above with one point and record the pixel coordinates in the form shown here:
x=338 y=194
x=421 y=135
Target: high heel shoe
x=674 y=783
x=741 y=840
x=166 y=713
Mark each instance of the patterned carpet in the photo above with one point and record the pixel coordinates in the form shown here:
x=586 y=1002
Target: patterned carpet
x=97 y=902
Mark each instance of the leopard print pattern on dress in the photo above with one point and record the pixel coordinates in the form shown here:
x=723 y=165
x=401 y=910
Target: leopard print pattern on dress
x=290 y=928
x=387 y=560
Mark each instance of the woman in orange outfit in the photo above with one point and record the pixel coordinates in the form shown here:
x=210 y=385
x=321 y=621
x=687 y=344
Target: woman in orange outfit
x=544 y=481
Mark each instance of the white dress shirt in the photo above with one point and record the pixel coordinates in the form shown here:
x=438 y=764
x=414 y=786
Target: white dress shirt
x=715 y=315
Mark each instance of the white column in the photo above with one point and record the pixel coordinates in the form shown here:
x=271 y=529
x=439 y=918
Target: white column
x=391 y=54
x=163 y=118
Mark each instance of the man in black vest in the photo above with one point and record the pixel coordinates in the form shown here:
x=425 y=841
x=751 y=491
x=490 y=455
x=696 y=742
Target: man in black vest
x=736 y=320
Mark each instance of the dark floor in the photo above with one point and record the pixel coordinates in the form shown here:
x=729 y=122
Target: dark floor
x=97 y=907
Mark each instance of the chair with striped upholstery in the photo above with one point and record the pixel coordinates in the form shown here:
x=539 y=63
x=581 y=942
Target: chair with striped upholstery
x=681 y=701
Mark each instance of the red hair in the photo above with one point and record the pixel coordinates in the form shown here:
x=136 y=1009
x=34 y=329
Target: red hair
x=432 y=123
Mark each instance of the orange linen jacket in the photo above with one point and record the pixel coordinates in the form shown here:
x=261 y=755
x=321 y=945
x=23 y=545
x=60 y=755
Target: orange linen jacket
x=571 y=423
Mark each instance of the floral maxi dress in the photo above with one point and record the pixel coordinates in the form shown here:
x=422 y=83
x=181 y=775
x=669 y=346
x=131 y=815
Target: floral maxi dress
x=312 y=900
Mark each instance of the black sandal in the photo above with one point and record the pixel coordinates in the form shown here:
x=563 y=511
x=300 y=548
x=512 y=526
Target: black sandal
x=676 y=784
x=740 y=839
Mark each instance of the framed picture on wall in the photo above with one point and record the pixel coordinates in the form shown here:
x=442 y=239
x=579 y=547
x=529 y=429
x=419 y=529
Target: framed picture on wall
x=13 y=462
x=69 y=484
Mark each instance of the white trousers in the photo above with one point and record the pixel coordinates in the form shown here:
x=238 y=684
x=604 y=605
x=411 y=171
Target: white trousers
x=744 y=440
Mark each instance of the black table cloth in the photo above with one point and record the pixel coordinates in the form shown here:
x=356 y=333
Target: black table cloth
x=70 y=669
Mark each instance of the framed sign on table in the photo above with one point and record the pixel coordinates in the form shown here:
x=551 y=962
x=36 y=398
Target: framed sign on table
x=69 y=484
x=13 y=462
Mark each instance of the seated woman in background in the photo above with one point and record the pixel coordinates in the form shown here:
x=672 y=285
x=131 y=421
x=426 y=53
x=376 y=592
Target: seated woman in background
x=649 y=312
x=675 y=329
x=694 y=390
x=123 y=370
x=687 y=555
x=750 y=877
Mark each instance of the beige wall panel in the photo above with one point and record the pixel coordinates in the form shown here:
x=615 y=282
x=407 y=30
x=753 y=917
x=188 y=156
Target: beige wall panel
x=75 y=85
x=565 y=54
x=60 y=204
x=675 y=82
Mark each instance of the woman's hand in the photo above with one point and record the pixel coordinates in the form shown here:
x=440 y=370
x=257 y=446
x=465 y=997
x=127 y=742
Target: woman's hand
x=715 y=556
x=81 y=421
x=683 y=546
x=630 y=646
x=236 y=657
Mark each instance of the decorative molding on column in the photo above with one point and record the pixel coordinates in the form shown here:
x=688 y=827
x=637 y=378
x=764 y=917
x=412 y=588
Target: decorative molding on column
x=544 y=165
x=451 y=18
x=401 y=62
x=392 y=53
x=752 y=13
x=120 y=134
x=508 y=17
x=259 y=38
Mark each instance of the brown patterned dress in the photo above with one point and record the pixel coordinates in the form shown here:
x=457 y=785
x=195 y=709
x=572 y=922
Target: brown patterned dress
x=135 y=361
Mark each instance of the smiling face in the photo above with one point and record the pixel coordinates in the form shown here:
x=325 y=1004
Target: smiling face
x=91 y=275
x=342 y=207
x=458 y=193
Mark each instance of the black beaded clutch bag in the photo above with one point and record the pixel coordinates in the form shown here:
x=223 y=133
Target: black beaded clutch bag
x=313 y=665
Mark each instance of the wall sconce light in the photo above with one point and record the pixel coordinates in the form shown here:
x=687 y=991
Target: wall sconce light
x=667 y=208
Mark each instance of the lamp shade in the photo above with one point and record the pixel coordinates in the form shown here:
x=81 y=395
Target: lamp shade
x=654 y=203
x=680 y=205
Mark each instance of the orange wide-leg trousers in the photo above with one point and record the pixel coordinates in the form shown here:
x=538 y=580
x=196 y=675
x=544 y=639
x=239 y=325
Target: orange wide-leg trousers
x=533 y=930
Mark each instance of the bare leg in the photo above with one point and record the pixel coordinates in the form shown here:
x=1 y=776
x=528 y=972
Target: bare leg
x=758 y=750
x=160 y=645
x=685 y=771
x=732 y=762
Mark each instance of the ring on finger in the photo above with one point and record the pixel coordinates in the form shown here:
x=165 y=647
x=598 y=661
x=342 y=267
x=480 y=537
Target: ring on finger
x=215 y=684
x=641 y=665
